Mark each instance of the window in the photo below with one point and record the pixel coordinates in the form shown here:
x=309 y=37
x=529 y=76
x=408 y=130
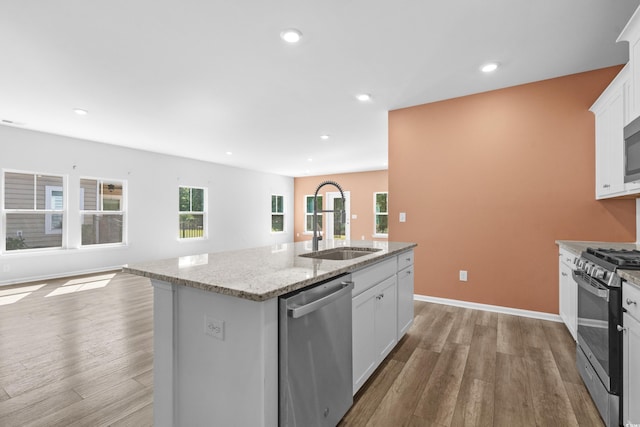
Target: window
x=381 y=213
x=192 y=213
x=308 y=223
x=277 y=213
x=33 y=211
x=102 y=212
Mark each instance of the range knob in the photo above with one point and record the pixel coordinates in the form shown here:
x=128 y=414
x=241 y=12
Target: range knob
x=598 y=273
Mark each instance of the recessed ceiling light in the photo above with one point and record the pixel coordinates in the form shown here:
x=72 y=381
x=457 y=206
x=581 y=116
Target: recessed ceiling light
x=309 y=159
x=363 y=97
x=491 y=66
x=291 y=35
x=228 y=153
x=80 y=111
x=325 y=136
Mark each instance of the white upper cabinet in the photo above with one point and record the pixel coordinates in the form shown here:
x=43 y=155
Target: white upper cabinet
x=609 y=114
x=631 y=34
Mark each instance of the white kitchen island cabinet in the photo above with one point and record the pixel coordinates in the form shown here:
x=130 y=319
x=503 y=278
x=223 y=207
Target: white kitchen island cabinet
x=382 y=312
x=405 y=293
x=216 y=326
x=374 y=329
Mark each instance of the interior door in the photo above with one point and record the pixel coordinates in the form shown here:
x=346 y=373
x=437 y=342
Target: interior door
x=335 y=228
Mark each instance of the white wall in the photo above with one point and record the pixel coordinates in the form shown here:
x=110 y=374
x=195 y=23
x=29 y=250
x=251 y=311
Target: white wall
x=239 y=203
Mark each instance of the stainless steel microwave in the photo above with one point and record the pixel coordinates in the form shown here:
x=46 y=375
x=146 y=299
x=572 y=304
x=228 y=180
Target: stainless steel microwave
x=632 y=151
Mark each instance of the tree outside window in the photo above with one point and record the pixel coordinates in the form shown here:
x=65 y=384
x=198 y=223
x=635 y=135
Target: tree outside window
x=192 y=212
x=308 y=223
x=381 y=213
x=277 y=213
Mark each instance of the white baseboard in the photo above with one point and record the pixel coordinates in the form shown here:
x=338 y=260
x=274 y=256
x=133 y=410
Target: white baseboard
x=58 y=276
x=486 y=307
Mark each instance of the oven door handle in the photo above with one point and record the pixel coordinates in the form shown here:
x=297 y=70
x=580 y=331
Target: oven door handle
x=589 y=287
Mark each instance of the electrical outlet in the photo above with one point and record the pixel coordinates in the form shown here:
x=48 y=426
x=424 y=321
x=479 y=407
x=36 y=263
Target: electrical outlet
x=463 y=275
x=214 y=327
x=403 y=216
x=19 y=233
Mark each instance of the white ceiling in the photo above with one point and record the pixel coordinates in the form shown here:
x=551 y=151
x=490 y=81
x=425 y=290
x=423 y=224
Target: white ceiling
x=198 y=78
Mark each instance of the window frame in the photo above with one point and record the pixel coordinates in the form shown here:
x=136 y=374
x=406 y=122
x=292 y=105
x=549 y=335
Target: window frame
x=376 y=214
x=204 y=213
x=276 y=213
x=310 y=214
x=4 y=212
x=100 y=209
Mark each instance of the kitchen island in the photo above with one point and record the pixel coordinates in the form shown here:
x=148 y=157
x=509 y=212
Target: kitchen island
x=216 y=327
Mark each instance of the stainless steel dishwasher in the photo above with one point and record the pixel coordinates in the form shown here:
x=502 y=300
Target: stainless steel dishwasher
x=315 y=366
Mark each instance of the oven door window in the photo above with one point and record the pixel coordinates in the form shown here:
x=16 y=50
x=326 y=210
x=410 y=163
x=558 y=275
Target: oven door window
x=593 y=320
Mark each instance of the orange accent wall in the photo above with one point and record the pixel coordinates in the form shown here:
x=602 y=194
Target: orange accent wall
x=361 y=185
x=490 y=181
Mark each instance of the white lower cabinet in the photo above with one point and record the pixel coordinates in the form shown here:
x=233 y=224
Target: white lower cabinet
x=405 y=300
x=568 y=292
x=382 y=312
x=631 y=355
x=374 y=329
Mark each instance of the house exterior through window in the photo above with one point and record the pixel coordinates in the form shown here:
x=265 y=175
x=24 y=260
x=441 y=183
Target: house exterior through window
x=33 y=211
x=102 y=211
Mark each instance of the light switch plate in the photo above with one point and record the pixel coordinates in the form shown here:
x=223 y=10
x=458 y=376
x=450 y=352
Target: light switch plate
x=463 y=275
x=403 y=217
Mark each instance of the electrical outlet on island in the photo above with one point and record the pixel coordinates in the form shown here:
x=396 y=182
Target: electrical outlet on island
x=214 y=327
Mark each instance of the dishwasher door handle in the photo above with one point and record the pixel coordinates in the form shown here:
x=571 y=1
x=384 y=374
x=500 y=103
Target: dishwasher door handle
x=303 y=310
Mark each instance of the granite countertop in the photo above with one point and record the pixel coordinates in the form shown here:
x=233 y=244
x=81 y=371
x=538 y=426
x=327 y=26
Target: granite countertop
x=577 y=247
x=262 y=273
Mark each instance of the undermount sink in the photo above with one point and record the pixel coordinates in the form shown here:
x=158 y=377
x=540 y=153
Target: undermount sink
x=341 y=254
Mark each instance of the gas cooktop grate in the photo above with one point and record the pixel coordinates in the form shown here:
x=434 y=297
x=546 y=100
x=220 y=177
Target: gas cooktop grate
x=621 y=258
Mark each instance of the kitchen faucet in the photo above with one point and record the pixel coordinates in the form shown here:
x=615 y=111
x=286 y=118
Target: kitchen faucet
x=317 y=237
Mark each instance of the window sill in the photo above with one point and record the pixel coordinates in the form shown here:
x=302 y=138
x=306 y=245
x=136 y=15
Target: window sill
x=380 y=236
x=192 y=239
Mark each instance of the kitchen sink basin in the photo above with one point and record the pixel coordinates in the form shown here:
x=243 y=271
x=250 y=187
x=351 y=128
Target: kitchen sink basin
x=341 y=254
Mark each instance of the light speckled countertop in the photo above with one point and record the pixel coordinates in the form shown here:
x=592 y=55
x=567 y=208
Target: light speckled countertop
x=576 y=247
x=262 y=273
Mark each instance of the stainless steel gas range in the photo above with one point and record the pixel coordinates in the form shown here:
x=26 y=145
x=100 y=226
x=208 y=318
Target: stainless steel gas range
x=599 y=352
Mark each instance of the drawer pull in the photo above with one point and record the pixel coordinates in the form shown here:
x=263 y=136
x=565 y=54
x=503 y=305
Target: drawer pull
x=630 y=302
x=407 y=259
x=564 y=274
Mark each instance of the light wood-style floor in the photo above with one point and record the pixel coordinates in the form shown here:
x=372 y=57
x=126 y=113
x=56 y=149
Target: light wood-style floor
x=78 y=352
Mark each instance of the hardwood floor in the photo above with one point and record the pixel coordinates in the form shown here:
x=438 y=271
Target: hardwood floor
x=79 y=352
x=462 y=367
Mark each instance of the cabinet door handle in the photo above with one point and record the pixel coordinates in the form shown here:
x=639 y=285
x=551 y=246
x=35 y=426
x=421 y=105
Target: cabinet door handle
x=564 y=274
x=606 y=186
x=408 y=272
x=407 y=259
x=630 y=302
